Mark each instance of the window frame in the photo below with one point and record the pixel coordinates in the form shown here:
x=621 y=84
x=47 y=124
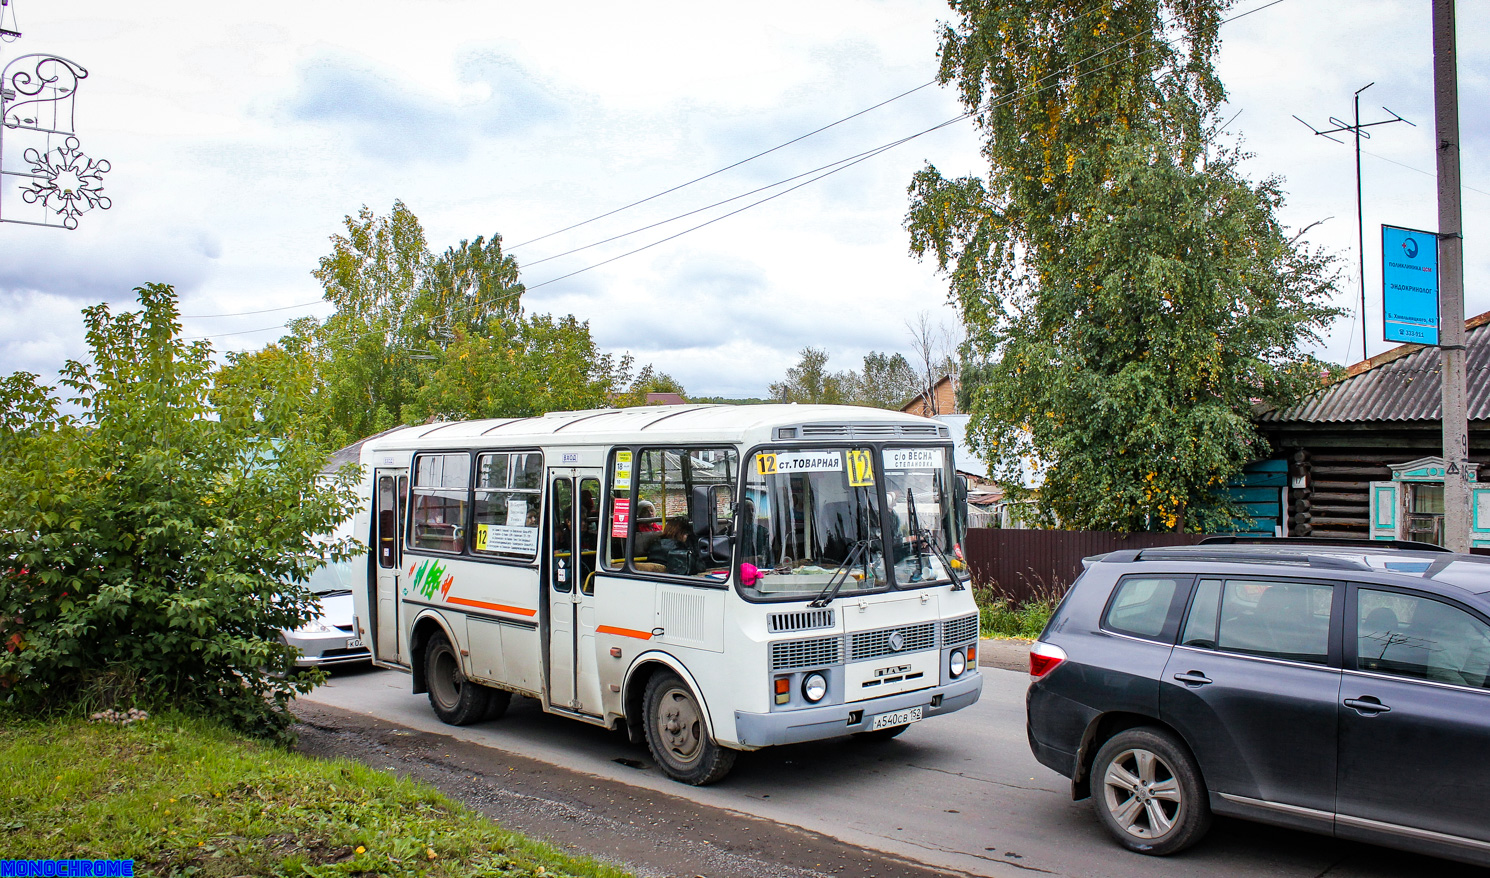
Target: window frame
x=414 y=488
x=1178 y=612
x=878 y=446
x=627 y=568
x=541 y=493
x=1351 y=656
x=1335 y=647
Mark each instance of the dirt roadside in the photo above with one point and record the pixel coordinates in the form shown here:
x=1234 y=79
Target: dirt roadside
x=649 y=832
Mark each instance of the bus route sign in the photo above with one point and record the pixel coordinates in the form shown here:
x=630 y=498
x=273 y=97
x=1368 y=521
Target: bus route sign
x=1409 y=285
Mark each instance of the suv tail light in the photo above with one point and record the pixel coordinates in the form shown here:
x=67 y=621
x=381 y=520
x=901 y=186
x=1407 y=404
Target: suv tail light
x=1044 y=658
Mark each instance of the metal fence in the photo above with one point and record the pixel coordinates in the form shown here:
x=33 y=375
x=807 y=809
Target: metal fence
x=1022 y=564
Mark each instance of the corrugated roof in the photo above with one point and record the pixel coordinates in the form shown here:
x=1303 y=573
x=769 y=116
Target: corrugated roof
x=1402 y=384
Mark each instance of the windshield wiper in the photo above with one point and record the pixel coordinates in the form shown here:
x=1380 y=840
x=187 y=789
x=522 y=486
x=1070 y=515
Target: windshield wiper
x=836 y=581
x=925 y=536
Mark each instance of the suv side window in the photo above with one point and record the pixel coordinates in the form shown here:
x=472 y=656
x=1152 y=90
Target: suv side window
x=1410 y=636
x=1141 y=607
x=1284 y=620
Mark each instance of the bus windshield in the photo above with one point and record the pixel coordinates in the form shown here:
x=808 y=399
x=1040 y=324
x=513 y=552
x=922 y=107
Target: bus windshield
x=919 y=499
x=807 y=516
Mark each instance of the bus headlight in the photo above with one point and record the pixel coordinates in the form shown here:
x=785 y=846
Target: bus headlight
x=814 y=687
x=958 y=664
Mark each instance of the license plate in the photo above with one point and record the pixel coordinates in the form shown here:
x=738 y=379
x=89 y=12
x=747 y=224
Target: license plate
x=896 y=718
x=354 y=643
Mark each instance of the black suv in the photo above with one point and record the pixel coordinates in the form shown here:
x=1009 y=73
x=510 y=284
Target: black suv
x=1338 y=688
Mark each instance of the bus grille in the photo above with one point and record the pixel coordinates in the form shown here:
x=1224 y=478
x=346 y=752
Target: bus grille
x=959 y=630
x=873 y=644
x=805 y=653
x=805 y=620
x=868 y=431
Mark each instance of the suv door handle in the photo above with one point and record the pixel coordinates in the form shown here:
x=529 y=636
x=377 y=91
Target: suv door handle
x=1367 y=705
x=1193 y=678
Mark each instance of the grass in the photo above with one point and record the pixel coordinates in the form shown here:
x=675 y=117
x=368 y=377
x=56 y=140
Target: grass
x=183 y=797
x=1000 y=616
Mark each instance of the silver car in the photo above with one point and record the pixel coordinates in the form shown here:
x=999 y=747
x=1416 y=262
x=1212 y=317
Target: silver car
x=331 y=637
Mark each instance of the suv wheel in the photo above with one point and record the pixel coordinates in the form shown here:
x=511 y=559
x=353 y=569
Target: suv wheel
x=1148 y=792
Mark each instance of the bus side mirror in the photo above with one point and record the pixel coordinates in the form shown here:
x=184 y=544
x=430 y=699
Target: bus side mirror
x=959 y=502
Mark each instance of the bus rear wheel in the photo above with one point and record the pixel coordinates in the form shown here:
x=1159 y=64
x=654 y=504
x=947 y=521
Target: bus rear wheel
x=677 y=734
x=456 y=700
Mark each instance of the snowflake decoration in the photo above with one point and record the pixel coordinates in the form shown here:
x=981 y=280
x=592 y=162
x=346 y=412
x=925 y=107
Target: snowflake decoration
x=66 y=181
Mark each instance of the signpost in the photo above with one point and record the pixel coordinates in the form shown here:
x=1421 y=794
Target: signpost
x=1409 y=285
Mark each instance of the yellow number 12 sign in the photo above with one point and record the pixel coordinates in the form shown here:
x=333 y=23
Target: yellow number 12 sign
x=860 y=469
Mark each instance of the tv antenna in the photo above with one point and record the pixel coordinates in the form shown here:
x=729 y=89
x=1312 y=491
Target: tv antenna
x=1359 y=130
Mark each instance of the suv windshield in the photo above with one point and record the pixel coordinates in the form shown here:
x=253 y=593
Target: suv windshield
x=803 y=516
x=335 y=576
x=918 y=495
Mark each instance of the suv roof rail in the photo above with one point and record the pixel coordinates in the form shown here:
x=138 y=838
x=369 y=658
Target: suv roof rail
x=1222 y=553
x=1344 y=542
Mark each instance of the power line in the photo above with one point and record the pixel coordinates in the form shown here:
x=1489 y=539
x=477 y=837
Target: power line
x=844 y=164
x=248 y=313
x=1419 y=170
x=723 y=169
x=721 y=203
x=835 y=167
x=1092 y=11
x=226 y=334
x=1095 y=9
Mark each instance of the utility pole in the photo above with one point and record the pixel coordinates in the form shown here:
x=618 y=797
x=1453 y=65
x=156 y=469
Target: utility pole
x=1360 y=222
x=1451 y=280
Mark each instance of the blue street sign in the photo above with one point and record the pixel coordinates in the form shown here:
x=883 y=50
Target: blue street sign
x=1409 y=285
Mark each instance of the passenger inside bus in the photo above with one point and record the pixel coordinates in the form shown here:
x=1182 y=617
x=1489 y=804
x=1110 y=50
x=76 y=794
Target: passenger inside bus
x=677 y=550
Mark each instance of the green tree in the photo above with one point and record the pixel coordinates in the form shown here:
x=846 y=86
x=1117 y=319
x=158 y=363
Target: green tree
x=368 y=351
x=810 y=381
x=465 y=288
x=886 y=381
x=648 y=380
x=151 y=545
x=518 y=367
x=1128 y=293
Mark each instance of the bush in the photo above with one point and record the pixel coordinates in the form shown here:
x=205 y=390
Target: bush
x=999 y=615
x=147 y=544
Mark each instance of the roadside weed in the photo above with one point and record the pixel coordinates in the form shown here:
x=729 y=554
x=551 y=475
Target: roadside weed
x=184 y=797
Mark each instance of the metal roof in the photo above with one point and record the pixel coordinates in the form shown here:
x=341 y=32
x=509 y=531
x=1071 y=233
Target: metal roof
x=1400 y=385
x=677 y=421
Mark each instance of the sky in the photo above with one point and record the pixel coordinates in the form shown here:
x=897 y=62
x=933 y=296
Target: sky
x=240 y=135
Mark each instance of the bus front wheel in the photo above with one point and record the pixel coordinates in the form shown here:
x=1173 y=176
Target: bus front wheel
x=677 y=734
x=456 y=700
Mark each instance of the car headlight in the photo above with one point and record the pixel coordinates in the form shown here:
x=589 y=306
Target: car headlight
x=958 y=664
x=315 y=626
x=814 y=687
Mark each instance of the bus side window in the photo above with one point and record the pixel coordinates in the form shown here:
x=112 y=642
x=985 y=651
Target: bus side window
x=617 y=518
x=387 y=523
x=589 y=527
x=683 y=510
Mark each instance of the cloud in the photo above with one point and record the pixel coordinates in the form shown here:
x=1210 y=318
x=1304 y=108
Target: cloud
x=391 y=121
x=103 y=263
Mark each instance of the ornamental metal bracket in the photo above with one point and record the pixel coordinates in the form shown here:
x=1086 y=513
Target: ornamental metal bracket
x=40 y=157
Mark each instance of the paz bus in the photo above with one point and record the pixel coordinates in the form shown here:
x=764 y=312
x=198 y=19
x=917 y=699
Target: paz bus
x=711 y=579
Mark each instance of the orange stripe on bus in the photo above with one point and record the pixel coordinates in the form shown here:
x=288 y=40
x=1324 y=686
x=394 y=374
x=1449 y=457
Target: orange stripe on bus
x=624 y=632
x=501 y=608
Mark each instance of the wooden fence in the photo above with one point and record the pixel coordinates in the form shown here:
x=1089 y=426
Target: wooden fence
x=1028 y=563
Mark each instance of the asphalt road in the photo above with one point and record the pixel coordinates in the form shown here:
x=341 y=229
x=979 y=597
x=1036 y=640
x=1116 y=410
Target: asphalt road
x=959 y=792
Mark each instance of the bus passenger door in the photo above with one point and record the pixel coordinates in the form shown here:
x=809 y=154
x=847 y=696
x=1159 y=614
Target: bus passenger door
x=388 y=521
x=574 y=502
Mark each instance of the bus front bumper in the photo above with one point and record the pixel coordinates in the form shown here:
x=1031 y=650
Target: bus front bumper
x=754 y=730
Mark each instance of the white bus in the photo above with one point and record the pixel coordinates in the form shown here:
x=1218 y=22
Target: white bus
x=711 y=578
